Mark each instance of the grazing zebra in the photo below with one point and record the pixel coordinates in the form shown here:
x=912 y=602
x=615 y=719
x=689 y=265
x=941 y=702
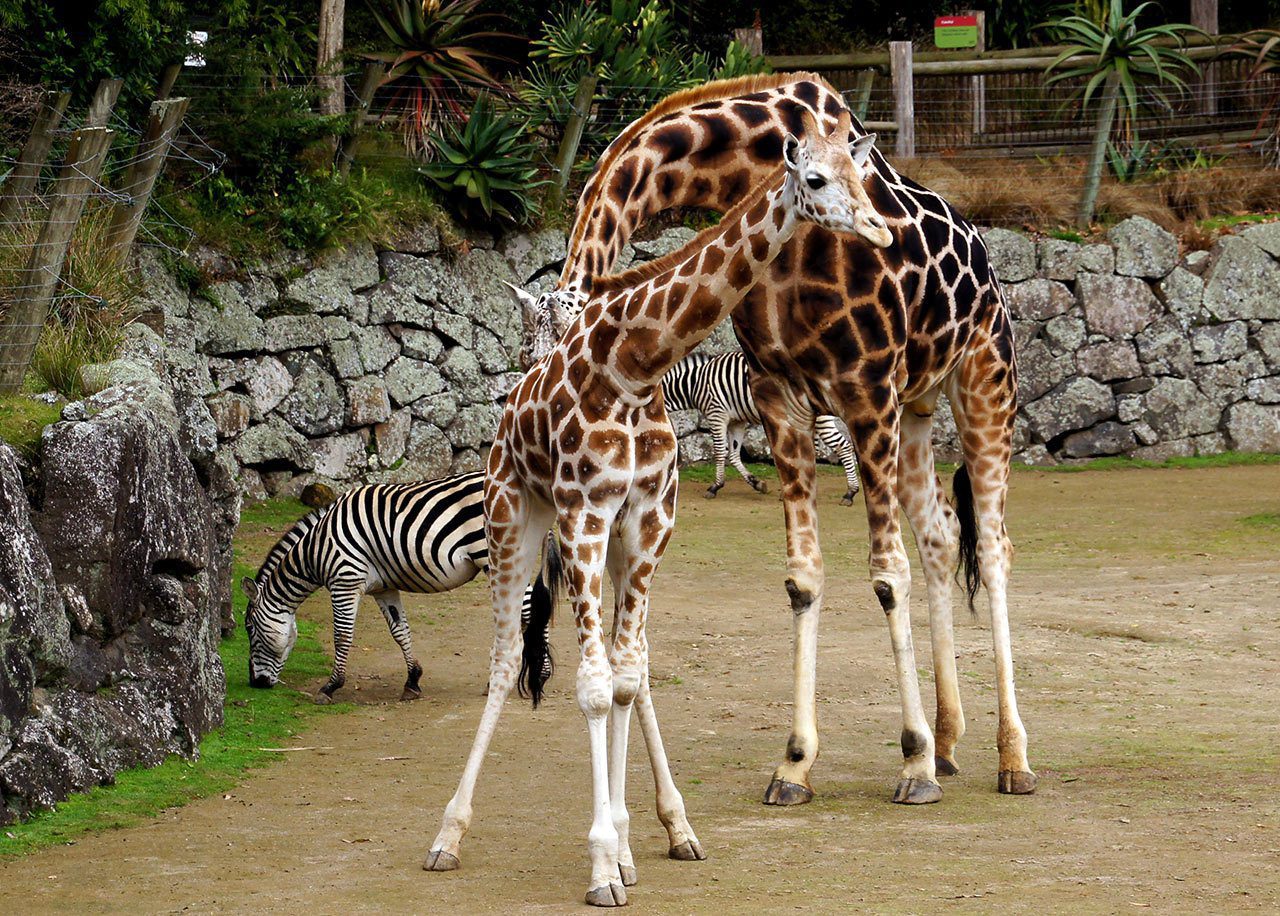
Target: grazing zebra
x=718 y=388
x=379 y=540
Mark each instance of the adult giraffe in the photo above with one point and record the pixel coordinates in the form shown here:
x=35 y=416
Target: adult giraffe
x=870 y=335
x=585 y=442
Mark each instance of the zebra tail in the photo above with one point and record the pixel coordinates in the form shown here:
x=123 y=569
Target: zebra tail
x=962 y=491
x=536 y=663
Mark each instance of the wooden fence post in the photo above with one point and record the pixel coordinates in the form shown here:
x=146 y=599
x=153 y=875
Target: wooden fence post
x=162 y=126
x=104 y=99
x=904 y=104
x=20 y=186
x=862 y=94
x=373 y=74
x=21 y=328
x=168 y=76
x=573 y=129
x=978 y=82
x=1204 y=16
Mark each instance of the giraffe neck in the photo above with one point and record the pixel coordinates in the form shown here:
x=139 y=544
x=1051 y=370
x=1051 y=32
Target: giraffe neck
x=658 y=313
x=704 y=151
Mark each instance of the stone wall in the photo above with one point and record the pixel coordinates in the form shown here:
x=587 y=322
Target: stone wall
x=392 y=365
x=1130 y=347
x=115 y=554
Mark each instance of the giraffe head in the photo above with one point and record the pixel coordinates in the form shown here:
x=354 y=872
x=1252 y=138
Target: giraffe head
x=543 y=320
x=827 y=173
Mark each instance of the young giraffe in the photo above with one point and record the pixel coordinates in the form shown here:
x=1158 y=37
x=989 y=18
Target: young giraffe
x=585 y=442
x=872 y=336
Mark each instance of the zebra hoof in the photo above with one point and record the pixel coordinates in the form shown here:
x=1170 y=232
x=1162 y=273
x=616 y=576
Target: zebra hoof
x=323 y=699
x=710 y=494
x=410 y=693
x=439 y=860
x=847 y=499
x=608 y=895
x=761 y=486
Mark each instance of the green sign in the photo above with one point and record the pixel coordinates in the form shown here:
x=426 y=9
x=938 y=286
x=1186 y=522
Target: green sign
x=955 y=32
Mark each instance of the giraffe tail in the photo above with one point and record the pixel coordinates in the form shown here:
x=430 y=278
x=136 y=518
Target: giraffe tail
x=962 y=491
x=536 y=663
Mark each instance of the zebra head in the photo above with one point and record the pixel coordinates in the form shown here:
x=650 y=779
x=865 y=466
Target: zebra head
x=272 y=629
x=543 y=320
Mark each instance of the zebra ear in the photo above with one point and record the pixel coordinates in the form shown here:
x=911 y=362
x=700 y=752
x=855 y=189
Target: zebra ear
x=250 y=588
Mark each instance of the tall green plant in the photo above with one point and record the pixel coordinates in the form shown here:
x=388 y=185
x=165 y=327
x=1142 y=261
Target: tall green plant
x=441 y=54
x=1262 y=49
x=1115 y=56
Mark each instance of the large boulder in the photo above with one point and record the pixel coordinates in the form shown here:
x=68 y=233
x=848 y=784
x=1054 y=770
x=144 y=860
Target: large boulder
x=1117 y=306
x=1244 y=282
x=1075 y=404
x=315 y=406
x=1254 y=427
x=1038 y=300
x=1175 y=409
x=1143 y=249
x=1012 y=254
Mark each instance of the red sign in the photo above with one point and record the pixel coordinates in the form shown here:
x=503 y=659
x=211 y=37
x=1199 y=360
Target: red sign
x=943 y=22
x=955 y=31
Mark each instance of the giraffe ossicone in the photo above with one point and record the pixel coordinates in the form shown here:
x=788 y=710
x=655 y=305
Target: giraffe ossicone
x=585 y=444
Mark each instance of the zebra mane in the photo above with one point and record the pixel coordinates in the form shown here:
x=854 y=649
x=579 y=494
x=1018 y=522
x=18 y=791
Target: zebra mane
x=288 y=540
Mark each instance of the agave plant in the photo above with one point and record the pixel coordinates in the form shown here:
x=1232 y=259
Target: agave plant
x=485 y=166
x=1113 y=54
x=441 y=55
x=1262 y=47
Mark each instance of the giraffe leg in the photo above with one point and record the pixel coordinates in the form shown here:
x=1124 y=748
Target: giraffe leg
x=937 y=533
x=345 y=598
x=736 y=433
x=791 y=440
x=398 y=623
x=984 y=417
x=876 y=439
x=584 y=570
x=682 y=843
x=513 y=557
x=719 y=424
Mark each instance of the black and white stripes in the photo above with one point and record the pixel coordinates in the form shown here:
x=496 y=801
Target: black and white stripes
x=719 y=388
x=378 y=540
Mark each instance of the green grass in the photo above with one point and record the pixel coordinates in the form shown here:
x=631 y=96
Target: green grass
x=1215 y=223
x=1066 y=235
x=253 y=720
x=22 y=420
x=1268 y=520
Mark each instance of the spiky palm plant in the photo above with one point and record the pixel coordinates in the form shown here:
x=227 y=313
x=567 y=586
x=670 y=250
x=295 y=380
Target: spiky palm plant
x=442 y=55
x=1262 y=48
x=1122 y=60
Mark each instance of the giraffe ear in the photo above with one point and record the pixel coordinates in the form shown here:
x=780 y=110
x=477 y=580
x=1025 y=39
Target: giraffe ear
x=528 y=309
x=808 y=123
x=861 y=148
x=791 y=151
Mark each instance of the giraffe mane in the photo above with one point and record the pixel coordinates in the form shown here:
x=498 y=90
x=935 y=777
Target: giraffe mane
x=714 y=91
x=692 y=248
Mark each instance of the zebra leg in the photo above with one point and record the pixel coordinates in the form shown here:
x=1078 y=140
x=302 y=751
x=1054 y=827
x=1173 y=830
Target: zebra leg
x=833 y=437
x=398 y=623
x=345 y=598
x=719 y=424
x=736 y=434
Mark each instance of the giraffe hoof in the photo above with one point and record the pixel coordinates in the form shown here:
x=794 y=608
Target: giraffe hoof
x=690 y=851
x=628 y=875
x=945 y=766
x=1016 y=782
x=781 y=792
x=608 y=895
x=439 y=860
x=410 y=693
x=917 y=792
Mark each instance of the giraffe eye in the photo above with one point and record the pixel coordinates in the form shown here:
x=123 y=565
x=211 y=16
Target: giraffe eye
x=815 y=181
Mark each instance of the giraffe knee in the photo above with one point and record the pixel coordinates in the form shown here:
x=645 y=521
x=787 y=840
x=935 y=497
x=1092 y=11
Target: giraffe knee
x=802 y=596
x=626 y=685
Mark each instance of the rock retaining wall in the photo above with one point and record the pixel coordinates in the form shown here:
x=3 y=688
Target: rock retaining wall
x=392 y=365
x=115 y=555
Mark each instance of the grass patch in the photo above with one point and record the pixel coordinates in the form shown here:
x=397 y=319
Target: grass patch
x=22 y=420
x=273 y=515
x=1121 y=463
x=253 y=720
x=1269 y=521
x=1216 y=223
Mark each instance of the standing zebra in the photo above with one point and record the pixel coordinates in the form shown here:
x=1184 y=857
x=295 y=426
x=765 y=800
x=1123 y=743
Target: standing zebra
x=718 y=388
x=380 y=540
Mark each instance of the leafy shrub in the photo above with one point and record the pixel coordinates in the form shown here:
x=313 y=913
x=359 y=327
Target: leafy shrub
x=438 y=58
x=67 y=344
x=485 y=166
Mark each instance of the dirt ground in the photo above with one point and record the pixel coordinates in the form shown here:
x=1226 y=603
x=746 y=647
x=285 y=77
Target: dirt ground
x=1146 y=615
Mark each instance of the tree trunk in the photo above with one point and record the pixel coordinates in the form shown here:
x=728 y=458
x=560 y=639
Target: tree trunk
x=1098 y=155
x=329 y=55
